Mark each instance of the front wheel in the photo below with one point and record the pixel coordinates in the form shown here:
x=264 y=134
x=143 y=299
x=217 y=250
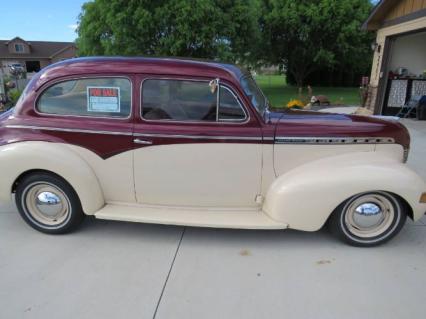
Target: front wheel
x=368 y=219
x=48 y=203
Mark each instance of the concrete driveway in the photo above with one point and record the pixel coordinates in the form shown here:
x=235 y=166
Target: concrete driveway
x=124 y=270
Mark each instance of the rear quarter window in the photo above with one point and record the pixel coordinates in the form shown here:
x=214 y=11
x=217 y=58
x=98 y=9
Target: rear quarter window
x=93 y=97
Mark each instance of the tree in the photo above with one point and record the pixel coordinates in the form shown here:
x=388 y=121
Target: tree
x=214 y=29
x=304 y=35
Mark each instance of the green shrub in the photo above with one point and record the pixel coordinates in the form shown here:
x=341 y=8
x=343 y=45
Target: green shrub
x=14 y=96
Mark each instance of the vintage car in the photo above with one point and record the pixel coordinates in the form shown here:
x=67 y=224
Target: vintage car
x=185 y=142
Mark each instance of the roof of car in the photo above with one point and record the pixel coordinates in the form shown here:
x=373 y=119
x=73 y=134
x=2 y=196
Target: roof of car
x=141 y=65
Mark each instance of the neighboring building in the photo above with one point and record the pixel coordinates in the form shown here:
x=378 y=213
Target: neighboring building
x=399 y=65
x=33 y=55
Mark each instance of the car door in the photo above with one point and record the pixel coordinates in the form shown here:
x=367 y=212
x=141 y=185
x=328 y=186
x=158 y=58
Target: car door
x=189 y=152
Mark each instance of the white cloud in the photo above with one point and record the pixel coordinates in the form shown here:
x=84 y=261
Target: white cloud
x=73 y=26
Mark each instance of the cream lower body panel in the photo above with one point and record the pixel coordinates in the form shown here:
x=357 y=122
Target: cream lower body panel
x=115 y=174
x=206 y=175
x=190 y=216
x=290 y=156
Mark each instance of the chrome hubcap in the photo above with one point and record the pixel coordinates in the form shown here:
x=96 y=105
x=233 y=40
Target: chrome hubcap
x=46 y=204
x=369 y=215
x=49 y=203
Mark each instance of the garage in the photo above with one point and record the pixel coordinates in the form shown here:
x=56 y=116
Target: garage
x=398 y=75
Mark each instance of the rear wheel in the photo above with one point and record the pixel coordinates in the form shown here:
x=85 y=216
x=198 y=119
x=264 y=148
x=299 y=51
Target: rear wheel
x=368 y=219
x=48 y=203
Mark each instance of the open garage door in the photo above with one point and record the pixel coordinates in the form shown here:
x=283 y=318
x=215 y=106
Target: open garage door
x=406 y=71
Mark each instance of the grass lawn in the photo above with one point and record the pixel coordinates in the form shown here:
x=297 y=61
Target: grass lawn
x=279 y=93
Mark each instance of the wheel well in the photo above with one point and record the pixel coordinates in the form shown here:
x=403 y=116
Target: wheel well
x=402 y=200
x=407 y=206
x=28 y=173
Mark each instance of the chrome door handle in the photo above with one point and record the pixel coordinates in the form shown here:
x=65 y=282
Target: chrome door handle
x=143 y=142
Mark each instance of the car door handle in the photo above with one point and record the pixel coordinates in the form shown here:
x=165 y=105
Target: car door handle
x=143 y=142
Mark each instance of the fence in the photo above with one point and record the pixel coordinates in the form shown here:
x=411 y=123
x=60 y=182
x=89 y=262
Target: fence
x=21 y=83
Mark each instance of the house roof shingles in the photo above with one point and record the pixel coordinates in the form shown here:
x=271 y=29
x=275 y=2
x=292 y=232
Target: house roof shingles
x=38 y=49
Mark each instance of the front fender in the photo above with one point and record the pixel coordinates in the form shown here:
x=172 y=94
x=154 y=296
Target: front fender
x=304 y=197
x=18 y=158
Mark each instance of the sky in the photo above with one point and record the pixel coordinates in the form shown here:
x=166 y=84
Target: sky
x=40 y=20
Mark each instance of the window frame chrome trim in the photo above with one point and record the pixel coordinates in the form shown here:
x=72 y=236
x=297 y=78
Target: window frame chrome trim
x=231 y=122
x=49 y=84
x=218 y=99
x=239 y=103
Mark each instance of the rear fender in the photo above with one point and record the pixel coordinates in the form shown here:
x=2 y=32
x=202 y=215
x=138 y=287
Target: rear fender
x=18 y=158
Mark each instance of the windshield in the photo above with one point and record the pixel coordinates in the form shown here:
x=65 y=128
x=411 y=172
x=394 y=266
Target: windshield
x=254 y=93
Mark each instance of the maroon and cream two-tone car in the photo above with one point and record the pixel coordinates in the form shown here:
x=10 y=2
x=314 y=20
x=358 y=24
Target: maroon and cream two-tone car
x=194 y=143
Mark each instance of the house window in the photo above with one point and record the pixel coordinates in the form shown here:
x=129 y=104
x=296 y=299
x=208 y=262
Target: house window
x=19 y=48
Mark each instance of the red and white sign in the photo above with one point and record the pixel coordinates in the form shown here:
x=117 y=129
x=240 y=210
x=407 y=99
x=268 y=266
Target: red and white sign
x=103 y=99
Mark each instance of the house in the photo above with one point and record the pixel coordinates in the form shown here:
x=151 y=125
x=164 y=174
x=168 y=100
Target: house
x=33 y=55
x=399 y=65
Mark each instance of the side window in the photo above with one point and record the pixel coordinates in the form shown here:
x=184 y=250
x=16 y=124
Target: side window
x=185 y=100
x=96 y=97
x=230 y=109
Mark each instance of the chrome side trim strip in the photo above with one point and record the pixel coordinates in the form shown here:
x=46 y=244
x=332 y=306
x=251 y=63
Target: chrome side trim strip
x=334 y=140
x=278 y=140
x=200 y=137
x=72 y=130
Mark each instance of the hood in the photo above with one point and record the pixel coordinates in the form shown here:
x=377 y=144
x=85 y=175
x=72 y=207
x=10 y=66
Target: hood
x=296 y=123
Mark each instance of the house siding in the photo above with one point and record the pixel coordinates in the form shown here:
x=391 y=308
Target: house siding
x=11 y=47
x=68 y=53
x=405 y=7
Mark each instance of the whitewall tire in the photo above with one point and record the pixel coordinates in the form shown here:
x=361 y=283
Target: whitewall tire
x=48 y=203
x=368 y=219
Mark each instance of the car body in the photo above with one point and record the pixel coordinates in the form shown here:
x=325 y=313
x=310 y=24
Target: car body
x=194 y=143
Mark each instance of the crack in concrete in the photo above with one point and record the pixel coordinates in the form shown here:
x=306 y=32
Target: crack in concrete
x=168 y=274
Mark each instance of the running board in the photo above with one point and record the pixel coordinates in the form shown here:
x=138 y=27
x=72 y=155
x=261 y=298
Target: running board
x=246 y=219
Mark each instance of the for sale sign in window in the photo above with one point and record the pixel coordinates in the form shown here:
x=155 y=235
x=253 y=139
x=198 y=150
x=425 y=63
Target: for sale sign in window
x=103 y=99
